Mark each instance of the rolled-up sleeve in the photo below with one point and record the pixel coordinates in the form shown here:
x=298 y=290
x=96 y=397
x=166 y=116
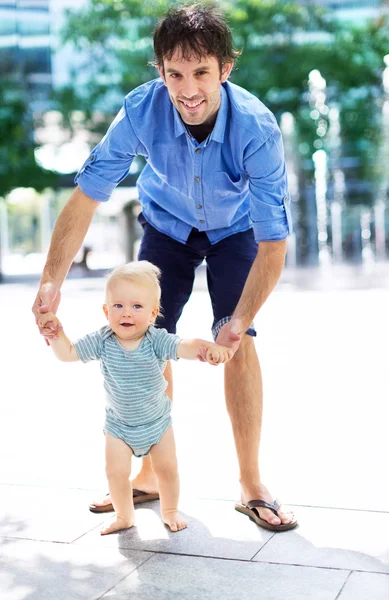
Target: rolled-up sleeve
x=269 y=193
x=109 y=162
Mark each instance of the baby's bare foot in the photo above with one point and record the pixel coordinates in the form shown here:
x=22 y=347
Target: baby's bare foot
x=117 y=525
x=174 y=520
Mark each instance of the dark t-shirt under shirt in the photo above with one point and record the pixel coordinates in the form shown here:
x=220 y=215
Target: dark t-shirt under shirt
x=200 y=132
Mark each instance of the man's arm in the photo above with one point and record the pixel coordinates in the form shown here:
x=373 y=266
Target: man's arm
x=263 y=276
x=68 y=234
x=69 y=231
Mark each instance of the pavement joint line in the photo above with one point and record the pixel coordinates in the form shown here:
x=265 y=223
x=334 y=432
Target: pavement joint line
x=364 y=510
x=262 y=547
x=122 y=578
x=86 y=532
x=225 y=558
x=343 y=586
x=284 y=564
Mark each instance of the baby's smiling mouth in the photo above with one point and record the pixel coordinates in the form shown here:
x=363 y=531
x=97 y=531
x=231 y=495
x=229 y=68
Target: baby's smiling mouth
x=126 y=324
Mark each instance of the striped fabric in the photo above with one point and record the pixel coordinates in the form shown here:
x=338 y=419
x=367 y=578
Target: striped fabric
x=138 y=409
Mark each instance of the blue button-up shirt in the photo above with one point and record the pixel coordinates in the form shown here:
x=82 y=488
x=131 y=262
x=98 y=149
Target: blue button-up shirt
x=233 y=180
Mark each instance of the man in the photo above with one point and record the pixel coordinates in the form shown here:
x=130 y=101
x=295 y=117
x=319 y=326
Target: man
x=214 y=187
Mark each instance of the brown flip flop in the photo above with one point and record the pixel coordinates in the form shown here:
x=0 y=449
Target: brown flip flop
x=249 y=509
x=137 y=495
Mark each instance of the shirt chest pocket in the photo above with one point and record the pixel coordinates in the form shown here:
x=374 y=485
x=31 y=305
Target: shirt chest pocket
x=227 y=186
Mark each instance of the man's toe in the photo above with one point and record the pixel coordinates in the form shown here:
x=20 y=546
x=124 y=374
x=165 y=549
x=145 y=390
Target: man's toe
x=269 y=516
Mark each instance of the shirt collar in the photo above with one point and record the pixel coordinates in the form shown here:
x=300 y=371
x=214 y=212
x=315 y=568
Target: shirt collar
x=221 y=119
x=220 y=124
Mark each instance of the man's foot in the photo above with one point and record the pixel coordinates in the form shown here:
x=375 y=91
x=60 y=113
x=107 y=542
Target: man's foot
x=146 y=482
x=117 y=525
x=105 y=504
x=262 y=493
x=174 y=520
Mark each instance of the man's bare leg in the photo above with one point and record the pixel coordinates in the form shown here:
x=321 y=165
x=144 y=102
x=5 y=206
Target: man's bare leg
x=146 y=480
x=243 y=390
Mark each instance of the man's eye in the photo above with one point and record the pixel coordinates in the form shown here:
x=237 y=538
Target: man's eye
x=175 y=75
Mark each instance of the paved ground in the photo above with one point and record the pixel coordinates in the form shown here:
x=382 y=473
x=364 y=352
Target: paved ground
x=323 y=347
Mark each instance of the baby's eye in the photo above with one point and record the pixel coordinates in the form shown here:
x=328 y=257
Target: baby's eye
x=137 y=306
x=117 y=305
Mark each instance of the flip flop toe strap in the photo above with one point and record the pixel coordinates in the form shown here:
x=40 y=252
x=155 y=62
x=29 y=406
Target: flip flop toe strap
x=274 y=506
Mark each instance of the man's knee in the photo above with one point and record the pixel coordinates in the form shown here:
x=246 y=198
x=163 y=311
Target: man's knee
x=245 y=352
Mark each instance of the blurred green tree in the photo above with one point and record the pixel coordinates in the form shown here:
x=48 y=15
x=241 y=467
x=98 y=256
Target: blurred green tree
x=18 y=166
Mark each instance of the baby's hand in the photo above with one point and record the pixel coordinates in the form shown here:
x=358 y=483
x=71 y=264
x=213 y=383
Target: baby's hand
x=216 y=355
x=49 y=322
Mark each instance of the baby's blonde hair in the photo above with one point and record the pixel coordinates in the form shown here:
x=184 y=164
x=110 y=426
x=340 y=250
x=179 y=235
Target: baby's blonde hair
x=141 y=273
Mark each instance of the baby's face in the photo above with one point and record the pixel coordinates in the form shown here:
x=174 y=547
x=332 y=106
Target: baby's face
x=130 y=309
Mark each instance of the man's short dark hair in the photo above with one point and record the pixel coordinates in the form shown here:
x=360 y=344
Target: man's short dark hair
x=196 y=30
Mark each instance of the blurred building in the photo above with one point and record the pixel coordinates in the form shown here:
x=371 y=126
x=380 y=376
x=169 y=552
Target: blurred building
x=25 y=52
x=30 y=47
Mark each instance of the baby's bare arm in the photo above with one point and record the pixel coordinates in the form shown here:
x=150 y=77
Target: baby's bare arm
x=62 y=347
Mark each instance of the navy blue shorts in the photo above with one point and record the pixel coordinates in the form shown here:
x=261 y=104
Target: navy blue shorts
x=228 y=264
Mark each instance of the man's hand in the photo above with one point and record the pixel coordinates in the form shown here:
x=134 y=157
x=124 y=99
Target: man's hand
x=47 y=300
x=230 y=334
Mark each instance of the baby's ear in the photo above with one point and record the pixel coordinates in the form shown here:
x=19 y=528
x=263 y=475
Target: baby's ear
x=105 y=309
x=154 y=314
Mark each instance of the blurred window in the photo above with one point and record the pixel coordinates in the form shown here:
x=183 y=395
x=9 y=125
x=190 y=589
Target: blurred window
x=30 y=23
x=36 y=60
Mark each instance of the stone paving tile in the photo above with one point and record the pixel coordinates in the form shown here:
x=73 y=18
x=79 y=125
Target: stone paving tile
x=32 y=570
x=59 y=515
x=363 y=586
x=333 y=538
x=167 y=577
x=215 y=529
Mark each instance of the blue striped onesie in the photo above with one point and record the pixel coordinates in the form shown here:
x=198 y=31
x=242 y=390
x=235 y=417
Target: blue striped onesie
x=138 y=409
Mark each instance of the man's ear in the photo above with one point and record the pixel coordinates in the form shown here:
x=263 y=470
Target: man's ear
x=161 y=73
x=105 y=309
x=226 y=70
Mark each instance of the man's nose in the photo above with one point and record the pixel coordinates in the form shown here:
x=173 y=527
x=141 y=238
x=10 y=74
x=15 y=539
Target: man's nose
x=189 y=88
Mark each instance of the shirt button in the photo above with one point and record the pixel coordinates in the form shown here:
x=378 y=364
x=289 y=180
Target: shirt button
x=198 y=150
x=201 y=221
x=197 y=179
x=199 y=206
x=92 y=157
x=286 y=199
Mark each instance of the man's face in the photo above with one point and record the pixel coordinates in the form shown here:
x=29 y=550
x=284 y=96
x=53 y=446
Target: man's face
x=194 y=86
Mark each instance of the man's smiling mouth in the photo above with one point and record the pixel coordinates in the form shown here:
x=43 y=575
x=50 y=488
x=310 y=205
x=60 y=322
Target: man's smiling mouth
x=191 y=105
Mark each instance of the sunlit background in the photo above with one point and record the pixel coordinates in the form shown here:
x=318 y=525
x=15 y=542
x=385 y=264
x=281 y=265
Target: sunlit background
x=322 y=67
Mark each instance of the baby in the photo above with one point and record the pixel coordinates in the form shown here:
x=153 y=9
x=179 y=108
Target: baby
x=133 y=356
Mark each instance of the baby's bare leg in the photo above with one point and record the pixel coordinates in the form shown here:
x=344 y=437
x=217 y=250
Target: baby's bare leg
x=118 y=468
x=164 y=461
